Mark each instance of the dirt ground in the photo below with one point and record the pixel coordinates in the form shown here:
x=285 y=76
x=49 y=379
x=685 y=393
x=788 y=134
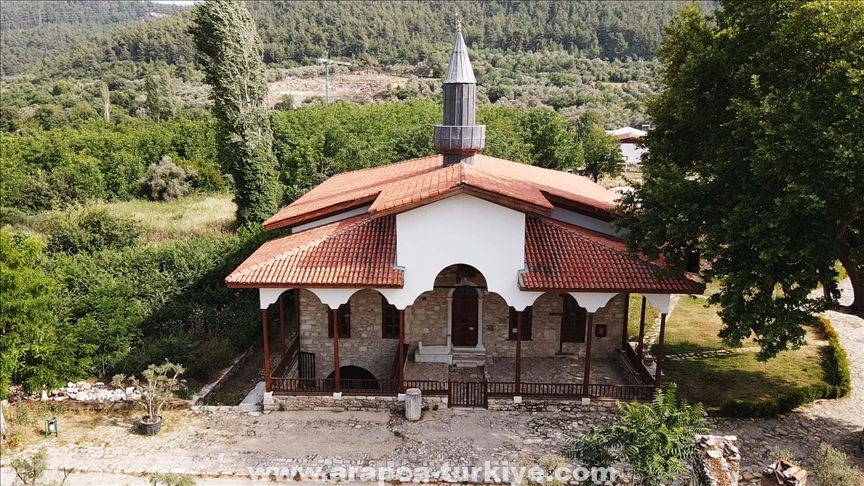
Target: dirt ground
x=353 y=87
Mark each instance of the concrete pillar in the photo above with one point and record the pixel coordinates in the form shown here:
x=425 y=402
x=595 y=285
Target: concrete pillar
x=413 y=404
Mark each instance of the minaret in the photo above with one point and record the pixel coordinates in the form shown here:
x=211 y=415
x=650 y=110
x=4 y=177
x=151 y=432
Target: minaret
x=459 y=137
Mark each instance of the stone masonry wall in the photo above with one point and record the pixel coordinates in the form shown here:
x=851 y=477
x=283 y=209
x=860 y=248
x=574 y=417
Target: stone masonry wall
x=365 y=348
x=328 y=403
x=547 y=326
x=426 y=321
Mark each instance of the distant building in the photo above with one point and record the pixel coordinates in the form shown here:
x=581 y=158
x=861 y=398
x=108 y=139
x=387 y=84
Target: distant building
x=631 y=151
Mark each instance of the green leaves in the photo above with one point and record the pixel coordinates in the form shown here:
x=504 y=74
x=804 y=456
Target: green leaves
x=752 y=161
x=231 y=55
x=657 y=439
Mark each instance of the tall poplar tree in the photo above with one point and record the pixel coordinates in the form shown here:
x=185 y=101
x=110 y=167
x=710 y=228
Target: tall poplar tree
x=756 y=159
x=231 y=55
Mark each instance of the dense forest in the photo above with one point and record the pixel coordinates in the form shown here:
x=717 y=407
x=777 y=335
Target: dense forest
x=367 y=32
x=33 y=30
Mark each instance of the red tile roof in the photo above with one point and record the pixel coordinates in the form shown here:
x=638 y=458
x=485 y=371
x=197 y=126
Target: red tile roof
x=361 y=252
x=356 y=252
x=404 y=185
x=561 y=256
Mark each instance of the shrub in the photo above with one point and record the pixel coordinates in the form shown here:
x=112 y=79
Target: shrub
x=166 y=180
x=833 y=467
x=656 y=439
x=90 y=230
x=837 y=377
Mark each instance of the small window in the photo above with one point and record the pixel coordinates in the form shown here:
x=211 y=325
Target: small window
x=344 y=317
x=389 y=320
x=526 y=324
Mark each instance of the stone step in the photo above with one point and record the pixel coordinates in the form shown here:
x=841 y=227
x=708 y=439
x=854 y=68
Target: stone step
x=468 y=360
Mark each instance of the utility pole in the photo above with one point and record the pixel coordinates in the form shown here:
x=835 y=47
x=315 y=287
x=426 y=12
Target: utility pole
x=327 y=62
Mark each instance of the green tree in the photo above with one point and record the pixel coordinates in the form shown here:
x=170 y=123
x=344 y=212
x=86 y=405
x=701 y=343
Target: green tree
x=34 y=349
x=231 y=54
x=753 y=161
x=602 y=154
x=657 y=439
x=161 y=93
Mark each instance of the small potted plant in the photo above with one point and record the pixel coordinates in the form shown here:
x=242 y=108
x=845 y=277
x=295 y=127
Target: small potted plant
x=159 y=385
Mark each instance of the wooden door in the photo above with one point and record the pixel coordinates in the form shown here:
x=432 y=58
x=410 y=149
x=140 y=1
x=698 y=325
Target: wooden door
x=573 y=320
x=464 y=313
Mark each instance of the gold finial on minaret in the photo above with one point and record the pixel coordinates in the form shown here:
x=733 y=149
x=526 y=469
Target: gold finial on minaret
x=458 y=22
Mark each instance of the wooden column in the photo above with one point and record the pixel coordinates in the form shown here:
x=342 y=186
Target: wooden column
x=658 y=372
x=626 y=322
x=297 y=311
x=518 y=353
x=641 y=345
x=587 y=380
x=401 y=349
x=335 y=314
x=281 y=326
x=268 y=386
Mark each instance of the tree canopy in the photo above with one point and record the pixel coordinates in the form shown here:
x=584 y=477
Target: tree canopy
x=755 y=160
x=230 y=51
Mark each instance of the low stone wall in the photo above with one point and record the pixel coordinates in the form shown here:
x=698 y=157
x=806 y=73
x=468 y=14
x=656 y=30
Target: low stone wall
x=554 y=406
x=359 y=403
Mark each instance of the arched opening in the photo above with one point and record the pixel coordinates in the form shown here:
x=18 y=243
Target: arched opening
x=354 y=378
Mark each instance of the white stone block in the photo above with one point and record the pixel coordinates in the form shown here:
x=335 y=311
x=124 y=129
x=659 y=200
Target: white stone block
x=337 y=395
x=586 y=401
x=517 y=399
x=400 y=397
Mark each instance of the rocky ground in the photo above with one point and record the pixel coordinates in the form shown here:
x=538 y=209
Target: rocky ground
x=220 y=447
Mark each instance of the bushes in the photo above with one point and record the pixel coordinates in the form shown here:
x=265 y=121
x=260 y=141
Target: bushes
x=837 y=377
x=140 y=305
x=833 y=467
x=166 y=181
x=90 y=230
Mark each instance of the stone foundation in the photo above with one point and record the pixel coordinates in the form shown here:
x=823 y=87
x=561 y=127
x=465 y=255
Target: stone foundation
x=389 y=403
x=553 y=406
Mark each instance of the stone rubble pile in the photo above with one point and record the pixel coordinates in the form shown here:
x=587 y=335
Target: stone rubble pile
x=86 y=392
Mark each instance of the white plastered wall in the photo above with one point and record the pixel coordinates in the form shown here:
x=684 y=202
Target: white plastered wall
x=461 y=229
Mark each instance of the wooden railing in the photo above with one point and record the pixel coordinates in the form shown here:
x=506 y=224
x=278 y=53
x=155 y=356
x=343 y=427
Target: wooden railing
x=317 y=386
x=638 y=365
x=288 y=361
x=622 y=392
x=498 y=389
x=428 y=387
x=552 y=390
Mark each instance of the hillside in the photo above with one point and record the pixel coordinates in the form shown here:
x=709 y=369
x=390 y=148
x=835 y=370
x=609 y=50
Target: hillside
x=33 y=30
x=385 y=33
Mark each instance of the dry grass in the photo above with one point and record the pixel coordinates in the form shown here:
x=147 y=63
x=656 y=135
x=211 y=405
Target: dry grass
x=203 y=215
x=197 y=215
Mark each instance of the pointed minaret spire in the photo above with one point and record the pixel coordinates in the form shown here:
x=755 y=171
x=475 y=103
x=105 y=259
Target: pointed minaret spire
x=459 y=137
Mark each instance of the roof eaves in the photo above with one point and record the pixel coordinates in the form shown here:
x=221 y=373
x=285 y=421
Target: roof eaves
x=310 y=244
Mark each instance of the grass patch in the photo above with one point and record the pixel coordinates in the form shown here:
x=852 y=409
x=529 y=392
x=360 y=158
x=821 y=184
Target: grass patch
x=714 y=381
x=635 y=310
x=693 y=326
x=200 y=215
